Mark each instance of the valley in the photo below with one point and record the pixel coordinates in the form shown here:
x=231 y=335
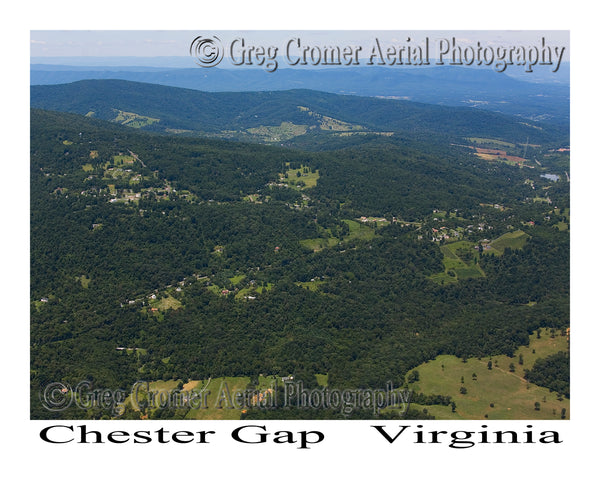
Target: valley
x=345 y=242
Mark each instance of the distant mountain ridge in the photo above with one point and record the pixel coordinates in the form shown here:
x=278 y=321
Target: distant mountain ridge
x=451 y=86
x=253 y=115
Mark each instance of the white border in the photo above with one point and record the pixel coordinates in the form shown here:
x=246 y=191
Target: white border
x=350 y=453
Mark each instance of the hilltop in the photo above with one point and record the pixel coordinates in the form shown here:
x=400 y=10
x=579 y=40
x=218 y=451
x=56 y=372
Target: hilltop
x=281 y=117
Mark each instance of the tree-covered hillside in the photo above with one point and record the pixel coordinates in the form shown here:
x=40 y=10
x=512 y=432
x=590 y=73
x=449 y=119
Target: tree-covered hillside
x=165 y=257
x=161 y=108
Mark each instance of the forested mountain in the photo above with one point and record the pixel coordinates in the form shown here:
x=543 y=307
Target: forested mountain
x=158 y=256
x=277 y=116
x=450 y=86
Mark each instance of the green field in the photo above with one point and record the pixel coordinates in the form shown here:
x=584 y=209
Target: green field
x=218 y=388
x=249 y=291
x=133 y=119
x=265 y=288
x=512 y=397
x=514 y=240
x=123 y=160
x=563 y=224
x=491 y=142
x=84 y=280
x=215 y=398
x=312 y=286
x=464 y=264
x=308 y=178
x=165 y=303
x=236 y=279
x=456 y=268
x=285 y=131
x=215 y=289
x=316 y=244
x=357 y=231
x=330 y=123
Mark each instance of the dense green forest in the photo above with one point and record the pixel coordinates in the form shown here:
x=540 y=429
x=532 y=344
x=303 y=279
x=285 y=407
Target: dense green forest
x=162 y=108
x=169 y=257
x=552 y=372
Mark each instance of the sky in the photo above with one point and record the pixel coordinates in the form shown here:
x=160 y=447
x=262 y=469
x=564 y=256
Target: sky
x=172 y=48
x=156 y=43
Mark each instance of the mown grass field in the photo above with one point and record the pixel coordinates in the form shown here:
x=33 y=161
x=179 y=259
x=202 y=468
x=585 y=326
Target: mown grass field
x=312 y=286
x=562 y=226
x=221 y=390
x=166 y=303
x=251 y=291
x=491 y=141
x=514 y=240
x=308 y=178
x=211 y=399
x=357 y=231
x=133 y=119
x=456 y=268
x=512 y=397
x=316 y=244
x=235 y=280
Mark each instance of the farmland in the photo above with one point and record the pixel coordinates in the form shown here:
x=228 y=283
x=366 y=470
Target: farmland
x=134 y=120
x=300 y=178
x=356 y=231
x=459 y=261
x=514 y=240
x=222 y=398
x=497 y=393
x=272 y=134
